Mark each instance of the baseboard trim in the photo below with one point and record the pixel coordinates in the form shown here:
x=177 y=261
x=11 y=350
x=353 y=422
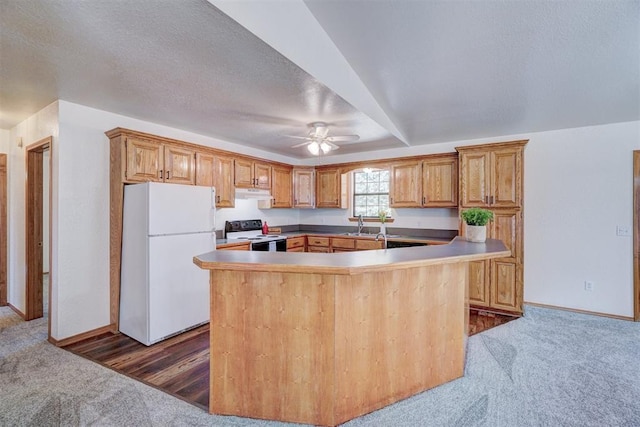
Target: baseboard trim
x=83 y=336
x=575 y=310
x=18 y=312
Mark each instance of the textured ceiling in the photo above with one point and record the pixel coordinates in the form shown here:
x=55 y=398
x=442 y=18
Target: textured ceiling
x=395 y=72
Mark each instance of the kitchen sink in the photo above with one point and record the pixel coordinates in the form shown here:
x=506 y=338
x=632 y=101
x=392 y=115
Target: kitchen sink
x=368 y=235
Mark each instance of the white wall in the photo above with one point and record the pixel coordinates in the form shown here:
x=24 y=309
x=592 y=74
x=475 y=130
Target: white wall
x=4 y=141
x=578 y=188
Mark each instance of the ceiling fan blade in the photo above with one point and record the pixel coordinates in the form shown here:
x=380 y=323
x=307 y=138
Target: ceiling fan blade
x=298 y=137
x=343 y=138
x=332 y=145
x=301 y=144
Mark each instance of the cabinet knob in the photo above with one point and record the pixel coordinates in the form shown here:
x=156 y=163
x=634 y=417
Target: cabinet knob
x=167 y=174
x=424 y=200
x=160 y=174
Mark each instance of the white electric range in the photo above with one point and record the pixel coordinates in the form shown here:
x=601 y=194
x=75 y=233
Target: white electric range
x=251 y=230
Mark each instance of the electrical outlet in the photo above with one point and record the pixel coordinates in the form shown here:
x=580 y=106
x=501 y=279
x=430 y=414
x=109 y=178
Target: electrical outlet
x=623 y=230
x=588 y=285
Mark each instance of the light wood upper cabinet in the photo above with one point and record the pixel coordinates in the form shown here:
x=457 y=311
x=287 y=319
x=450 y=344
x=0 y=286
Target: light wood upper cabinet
x=440 y=182
x=328 y=188
x=204 y=169
x=223 y=172
x=152 y=161
x=281 y=187
x=252 y=174
x=179 y=165
x=406 y=185
x=303 y=188
x=144 y=162
x=491 y=175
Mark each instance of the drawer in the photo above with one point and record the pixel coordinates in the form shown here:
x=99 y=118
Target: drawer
x=338 y=242
x=364 y=245
x=234 y=247
x=295 y=242
x=318 y=241
x=298 y=249
x=317 y=249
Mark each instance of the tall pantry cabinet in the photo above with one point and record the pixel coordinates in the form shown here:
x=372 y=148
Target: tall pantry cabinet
x=491 y=177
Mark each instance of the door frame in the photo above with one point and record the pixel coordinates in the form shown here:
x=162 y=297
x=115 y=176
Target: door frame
x=34 y=187
x=636 y=235
x=3 y=229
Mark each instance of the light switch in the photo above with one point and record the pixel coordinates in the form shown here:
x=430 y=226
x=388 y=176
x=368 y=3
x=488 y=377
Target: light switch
x=623 y=230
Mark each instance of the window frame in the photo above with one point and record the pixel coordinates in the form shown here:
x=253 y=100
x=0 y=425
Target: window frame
x=354 y=194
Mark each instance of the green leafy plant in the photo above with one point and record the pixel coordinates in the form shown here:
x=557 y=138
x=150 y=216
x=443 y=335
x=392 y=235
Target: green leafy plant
x=382 y=215
x=476 y=216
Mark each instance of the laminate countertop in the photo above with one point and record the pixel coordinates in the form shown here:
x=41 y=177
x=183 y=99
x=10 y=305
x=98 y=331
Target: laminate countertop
x=352 y=262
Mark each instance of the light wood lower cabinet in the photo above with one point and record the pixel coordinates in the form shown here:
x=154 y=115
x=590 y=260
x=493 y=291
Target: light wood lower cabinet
x=318 y=244
x=339 y=244
x=244 y=246
x=498 y=283
x=368 y=244
x=296 y=244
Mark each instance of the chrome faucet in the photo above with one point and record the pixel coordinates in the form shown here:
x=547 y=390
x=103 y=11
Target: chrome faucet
x=384 y=236
x=360 y=223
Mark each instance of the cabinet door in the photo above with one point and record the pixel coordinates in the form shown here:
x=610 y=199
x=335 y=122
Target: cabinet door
x=506 y=226
x=204 y=169
x=479 y=283
x=328 y=188
x=474 y=179
x=281 y=187
x=262 y=176
x=145 y=161
x=303 y=194
x=406 y=185
x=506 y=167
x=243 y=173
x=440 y=182
x=179 y=165
x=223 y=172
x=506 y=280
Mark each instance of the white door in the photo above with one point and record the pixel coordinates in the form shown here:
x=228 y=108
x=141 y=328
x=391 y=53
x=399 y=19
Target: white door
x=176 y=209
x=178 y=289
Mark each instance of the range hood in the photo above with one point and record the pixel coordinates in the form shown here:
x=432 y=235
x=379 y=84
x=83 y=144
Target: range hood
x=253 y=193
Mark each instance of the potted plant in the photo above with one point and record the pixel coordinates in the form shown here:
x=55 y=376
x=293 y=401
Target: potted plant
x=382 y=216
x=476 y=220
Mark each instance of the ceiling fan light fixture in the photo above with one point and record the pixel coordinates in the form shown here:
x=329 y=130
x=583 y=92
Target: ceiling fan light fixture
x=325 y=147
x=314 y=148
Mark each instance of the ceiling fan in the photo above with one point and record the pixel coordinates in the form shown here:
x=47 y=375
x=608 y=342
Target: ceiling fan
x=320 y=140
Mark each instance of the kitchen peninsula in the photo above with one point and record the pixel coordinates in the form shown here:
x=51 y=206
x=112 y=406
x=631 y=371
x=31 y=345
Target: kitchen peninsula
x=323 y=338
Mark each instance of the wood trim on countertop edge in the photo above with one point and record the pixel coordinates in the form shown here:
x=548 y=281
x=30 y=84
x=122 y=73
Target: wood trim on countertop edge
x=576 y=310
x=80 y=337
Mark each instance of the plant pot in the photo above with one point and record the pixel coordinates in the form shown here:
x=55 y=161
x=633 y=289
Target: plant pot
x=476 y=233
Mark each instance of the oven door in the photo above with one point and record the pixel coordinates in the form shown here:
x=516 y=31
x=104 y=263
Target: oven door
x=272 y=246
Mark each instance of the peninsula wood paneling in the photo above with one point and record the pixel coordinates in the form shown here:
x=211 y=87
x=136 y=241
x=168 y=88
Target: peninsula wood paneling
x=409 y=335
x=271 y=346
x=323 y=349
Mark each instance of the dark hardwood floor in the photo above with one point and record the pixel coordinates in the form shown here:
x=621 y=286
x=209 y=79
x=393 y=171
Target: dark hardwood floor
x=180 y=365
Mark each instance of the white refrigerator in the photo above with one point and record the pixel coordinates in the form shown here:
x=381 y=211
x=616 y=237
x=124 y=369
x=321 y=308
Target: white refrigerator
x=162 y=291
